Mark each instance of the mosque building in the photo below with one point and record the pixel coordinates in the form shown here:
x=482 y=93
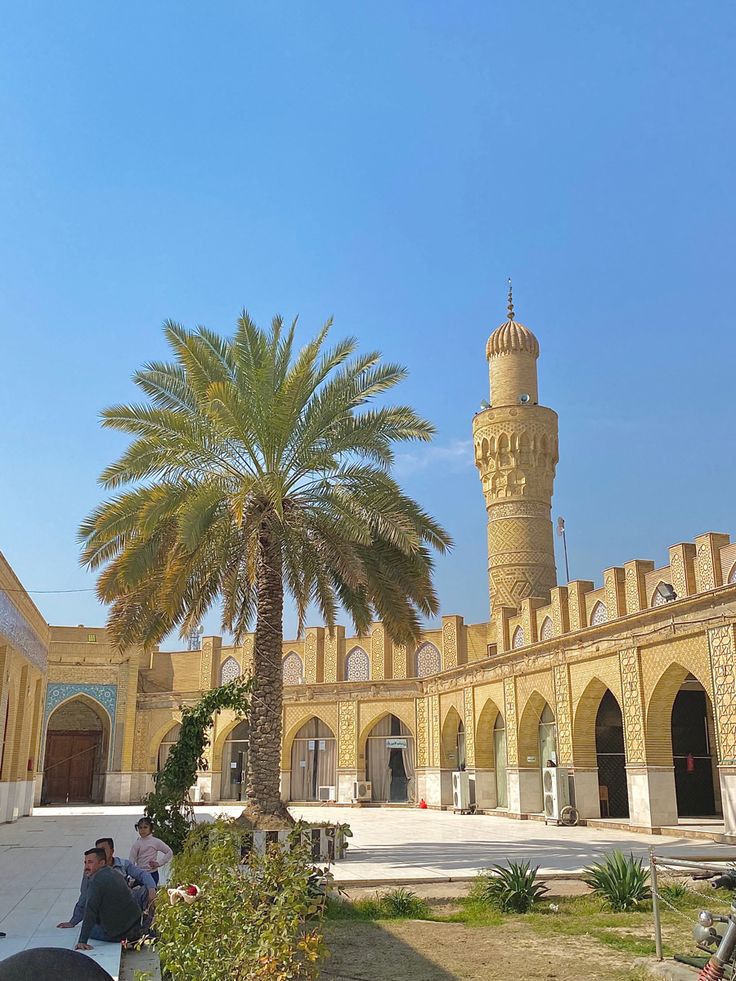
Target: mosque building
x=628 y=688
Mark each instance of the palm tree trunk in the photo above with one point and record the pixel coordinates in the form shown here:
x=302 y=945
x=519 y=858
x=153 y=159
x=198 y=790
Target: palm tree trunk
x=264 y=808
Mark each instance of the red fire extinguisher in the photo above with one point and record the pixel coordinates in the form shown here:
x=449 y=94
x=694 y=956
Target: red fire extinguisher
x=690 y=763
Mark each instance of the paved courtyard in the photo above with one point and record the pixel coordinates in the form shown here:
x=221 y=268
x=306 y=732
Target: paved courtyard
x=41 y=856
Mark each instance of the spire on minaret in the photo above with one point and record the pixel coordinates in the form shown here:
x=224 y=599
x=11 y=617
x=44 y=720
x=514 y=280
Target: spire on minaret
x=511 y=303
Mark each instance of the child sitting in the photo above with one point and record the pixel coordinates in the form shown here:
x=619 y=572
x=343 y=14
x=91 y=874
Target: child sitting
x=147 y=847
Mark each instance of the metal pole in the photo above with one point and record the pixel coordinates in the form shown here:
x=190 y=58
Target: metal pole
x=564 y=545
x=655 y=905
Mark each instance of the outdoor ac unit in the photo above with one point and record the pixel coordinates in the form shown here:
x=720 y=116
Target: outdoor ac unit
x=461 y=790
x=326 y=793
x=556 y=790
x=362 y=790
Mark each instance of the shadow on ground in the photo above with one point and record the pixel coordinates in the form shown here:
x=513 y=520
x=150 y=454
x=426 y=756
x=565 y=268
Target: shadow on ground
x=367 y=951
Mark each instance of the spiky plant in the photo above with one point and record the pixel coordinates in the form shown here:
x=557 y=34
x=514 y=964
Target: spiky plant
x=513 y=888
x=403 y=903
x=621 y=881
x=253 y=470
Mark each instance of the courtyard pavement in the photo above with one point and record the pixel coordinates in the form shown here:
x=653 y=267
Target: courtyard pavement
x=41 y=856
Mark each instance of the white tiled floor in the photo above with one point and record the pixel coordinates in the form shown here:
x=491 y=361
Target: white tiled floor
x=41 y=856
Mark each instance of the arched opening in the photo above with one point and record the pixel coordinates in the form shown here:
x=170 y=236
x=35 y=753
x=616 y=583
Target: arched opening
x=611 y=757
x=234 y=768
x=547 y=630
x=313 y=761
x=293 y=669
x=167 y=744
x=518 y=640
x=460 y=746
x=428 y=660
x=547 y=738
x=4 y=726
x=229 y=671
x=357 y=665
x=499 y=752
x=599 y=614
x=75 y=760
x=693 y=741
x=390 y=761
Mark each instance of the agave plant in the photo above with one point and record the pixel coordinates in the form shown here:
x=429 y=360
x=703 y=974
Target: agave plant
x=622 y=882
x=403 y=903
x=514 y=889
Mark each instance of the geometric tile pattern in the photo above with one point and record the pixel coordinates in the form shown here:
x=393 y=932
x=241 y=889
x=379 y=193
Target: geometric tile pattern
x=106 y=695
x=469 y=728
x=518 y=640
x=229 y=671
x=427 y=661
x=548 y=630
x=293 y=669
x=347 y=735
x=512 y=750
x=633 y=707
x=599 y=614
x=422 y=733
x=562 y=713
x=357 y=665
x=20 y=633
x=724 y=685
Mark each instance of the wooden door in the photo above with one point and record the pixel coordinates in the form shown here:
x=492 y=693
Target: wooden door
x=70 y=766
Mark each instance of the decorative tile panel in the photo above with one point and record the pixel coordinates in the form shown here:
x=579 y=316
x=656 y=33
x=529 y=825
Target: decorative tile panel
x=378 y=652
x=518 y=640
x=633 y=707
x=599 y=614
x=548 y=629
x=469 y=728
x=19 y=632
x=434 y=702
x=347 y=735
x=428 y=660
x=563 y=715
x=293 y=669
x=106 y=695
x=422 y=733
x=509 y=702
x=357 y=665
x=724 y=687
x=229 y=671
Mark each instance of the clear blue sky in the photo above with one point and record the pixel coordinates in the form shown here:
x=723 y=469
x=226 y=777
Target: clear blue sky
x=389 y=164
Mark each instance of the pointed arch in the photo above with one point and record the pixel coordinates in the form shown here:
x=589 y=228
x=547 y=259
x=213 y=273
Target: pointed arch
x=427 y=660
x=599 y=614
x=529 y=720
x=448 y=745
x=390 y=759
x=732 y=575
x=78 y=738
x=584 y=721
x=658 y=731
x=293 y=669
x=518 y=640
x=484 y=751
x=229 y=671
x=357 y=665
x=547 y=630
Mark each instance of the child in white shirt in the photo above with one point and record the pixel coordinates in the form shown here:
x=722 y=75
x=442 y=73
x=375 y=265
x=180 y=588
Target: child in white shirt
x=147 y=847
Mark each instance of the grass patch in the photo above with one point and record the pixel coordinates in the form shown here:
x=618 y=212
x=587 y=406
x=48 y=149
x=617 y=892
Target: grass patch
x=395 y=904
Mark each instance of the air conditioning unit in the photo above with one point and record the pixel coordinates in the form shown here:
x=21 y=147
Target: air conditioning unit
x=556 y=791
x=461 y=790
x=362 y=790
x=326 y=793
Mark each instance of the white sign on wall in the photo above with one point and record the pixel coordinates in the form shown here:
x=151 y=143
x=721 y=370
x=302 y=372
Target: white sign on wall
x=396 y=744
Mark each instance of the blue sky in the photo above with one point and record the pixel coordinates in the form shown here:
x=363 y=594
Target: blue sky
x=389 y=164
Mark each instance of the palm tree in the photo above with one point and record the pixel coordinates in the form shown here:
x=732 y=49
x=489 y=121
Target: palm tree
x=257 y=469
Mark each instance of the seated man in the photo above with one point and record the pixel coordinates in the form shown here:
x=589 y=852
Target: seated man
x=111 y=913
x=145 y=895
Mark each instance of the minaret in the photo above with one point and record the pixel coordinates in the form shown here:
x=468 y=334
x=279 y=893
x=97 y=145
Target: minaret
x=515 y=442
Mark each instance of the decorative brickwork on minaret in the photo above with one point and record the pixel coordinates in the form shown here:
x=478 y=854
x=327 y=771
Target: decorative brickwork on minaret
x=516 y=452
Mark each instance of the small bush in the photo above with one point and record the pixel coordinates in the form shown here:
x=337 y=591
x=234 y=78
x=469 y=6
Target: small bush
x=402 y=904
x=622 y=882
x=513 y=890
x=674 y=892
x=252 y=922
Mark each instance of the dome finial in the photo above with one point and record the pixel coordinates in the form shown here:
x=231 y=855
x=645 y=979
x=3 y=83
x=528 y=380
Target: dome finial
x=511 y=303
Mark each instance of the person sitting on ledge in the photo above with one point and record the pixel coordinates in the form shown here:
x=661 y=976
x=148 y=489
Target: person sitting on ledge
x=111 y=914
x=145 y=895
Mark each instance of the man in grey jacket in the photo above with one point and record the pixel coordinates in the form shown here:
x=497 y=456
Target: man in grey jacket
x=145 y=895
x=111 y=913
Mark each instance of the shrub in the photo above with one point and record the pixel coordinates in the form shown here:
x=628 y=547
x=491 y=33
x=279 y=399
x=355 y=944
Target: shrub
x=513 y=890
x=252 y=922
x=402 y=903
x=674 y=892
x=622 y=882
